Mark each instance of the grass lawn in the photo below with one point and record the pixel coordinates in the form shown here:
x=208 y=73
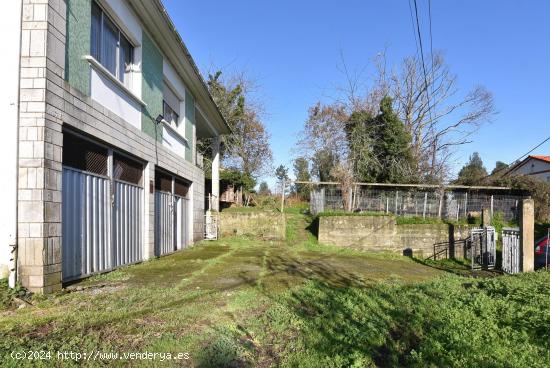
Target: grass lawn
x=244 y=302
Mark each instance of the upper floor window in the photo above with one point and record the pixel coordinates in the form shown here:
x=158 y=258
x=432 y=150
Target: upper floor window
x=171 y=107
x=110 y=47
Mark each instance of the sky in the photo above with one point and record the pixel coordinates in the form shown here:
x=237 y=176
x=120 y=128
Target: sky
x=294 y=50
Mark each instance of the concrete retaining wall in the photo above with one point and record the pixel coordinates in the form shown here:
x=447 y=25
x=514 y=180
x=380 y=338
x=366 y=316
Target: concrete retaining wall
x=381 y=233
x=267 y=225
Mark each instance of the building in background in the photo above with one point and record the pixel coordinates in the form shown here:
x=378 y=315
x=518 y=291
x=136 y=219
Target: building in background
x=537 y=167
x=102 y=106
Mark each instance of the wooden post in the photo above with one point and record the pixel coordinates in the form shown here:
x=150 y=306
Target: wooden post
x=396 y=195
x=466 y=205
x=283 y=197
x=441 y=198
x=425 y=202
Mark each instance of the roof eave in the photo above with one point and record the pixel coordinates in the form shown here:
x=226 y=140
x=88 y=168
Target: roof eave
x=160 y=26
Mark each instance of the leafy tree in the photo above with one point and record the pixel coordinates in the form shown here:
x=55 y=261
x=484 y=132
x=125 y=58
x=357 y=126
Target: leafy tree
x=359 y=132
x=247 y=147
x=473 y=172
x=301 y=171
x=391 y=145
x=237 y=178
x=264 y=189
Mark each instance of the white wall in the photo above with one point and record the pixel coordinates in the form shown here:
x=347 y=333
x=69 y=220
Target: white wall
x=9 y=99
x=173 y=141
x=104 y=91
x=535 y=166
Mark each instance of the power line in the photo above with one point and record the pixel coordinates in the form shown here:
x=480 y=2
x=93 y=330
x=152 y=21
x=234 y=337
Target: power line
x=431 y=46
x=520 y=157
x=422 y=56
x=412 y=24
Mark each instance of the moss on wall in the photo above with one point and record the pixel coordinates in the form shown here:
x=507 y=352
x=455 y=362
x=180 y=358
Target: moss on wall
x=77 y=69
x=152 y=85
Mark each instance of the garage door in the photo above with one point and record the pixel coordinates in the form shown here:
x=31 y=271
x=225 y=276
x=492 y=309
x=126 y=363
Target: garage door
x=102 y=209
x=171 y=213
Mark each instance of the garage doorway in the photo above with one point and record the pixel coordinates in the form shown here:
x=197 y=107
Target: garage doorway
x=102 y=208
x=171 y=213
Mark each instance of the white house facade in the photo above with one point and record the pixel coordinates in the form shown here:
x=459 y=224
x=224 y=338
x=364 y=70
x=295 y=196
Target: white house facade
x=537 y=167
x=102 y=106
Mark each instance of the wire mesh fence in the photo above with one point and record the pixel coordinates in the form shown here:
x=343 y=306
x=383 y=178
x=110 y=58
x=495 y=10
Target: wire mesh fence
x=445 y=203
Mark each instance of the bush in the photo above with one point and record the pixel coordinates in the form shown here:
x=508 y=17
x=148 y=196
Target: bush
x=451 y=322
x=537 y=189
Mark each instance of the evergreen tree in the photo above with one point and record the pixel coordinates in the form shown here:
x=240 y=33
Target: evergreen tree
x=473 y=172
x=301 y=171
x=281 y=173
x=392 y=146
x=264 y=189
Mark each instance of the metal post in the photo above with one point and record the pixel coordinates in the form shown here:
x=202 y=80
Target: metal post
x=491 y=206
x=387 y=204
x=457 y=210
x=425 y=202
x=547 y=245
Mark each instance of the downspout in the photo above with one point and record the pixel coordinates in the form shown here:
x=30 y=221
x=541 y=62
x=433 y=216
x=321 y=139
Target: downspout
x=13 y=269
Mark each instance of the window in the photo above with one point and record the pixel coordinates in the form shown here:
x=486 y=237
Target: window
x=84 y=155
x=126 y=169
x=171 y=107
x=170 y=115
x=110 y=47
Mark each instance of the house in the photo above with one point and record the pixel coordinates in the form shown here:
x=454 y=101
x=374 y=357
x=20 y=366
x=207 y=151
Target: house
x=535 y=166
x=102 y=106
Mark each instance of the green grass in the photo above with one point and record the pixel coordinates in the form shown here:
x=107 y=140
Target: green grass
x=244 y=302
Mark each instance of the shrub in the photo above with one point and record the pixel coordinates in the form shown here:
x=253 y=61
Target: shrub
x=537 y=189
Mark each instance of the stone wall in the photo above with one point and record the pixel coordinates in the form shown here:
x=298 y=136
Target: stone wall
x=381 y=233
x=267 y=225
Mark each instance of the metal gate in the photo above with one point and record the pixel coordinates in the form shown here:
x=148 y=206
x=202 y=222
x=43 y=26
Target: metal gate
x=102 y=205
x=164 y=223
x=481 y=248
x=170 y=223
x=86 y=224
x=182 y=228
x=511 y=250
x=127 y=223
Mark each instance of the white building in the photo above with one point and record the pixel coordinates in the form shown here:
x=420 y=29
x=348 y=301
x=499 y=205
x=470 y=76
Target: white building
x=102 y=106
x=535 y=166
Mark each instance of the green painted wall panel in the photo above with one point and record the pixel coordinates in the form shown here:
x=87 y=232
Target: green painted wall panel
x=77 y=69
x=151 y=88
x=189 y=124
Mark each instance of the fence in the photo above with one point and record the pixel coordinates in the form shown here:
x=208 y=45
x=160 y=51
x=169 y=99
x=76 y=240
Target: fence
x=449 y=202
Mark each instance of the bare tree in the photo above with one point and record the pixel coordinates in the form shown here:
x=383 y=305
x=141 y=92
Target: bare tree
x=438 y=117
